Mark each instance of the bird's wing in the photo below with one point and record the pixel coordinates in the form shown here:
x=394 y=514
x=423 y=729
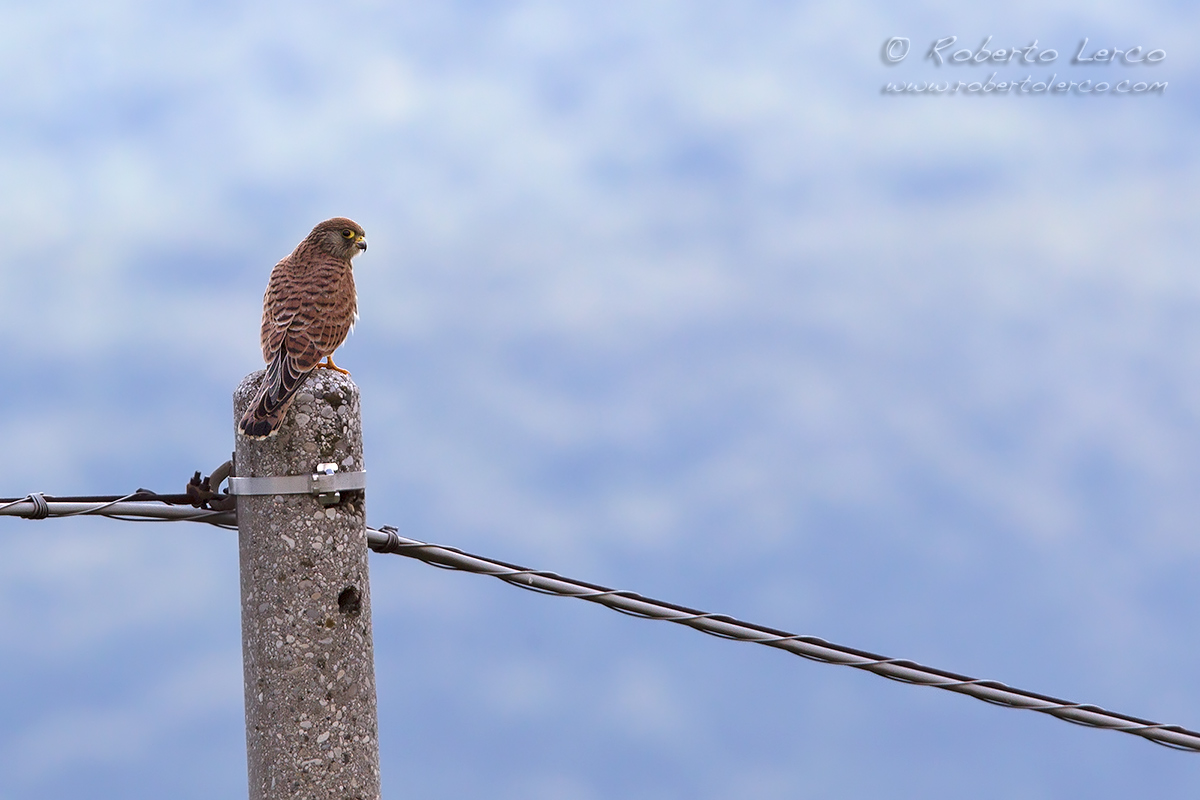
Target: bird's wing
x=306 y=316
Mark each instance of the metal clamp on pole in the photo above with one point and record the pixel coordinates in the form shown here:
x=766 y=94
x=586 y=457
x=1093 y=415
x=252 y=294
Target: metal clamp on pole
x=327 y=483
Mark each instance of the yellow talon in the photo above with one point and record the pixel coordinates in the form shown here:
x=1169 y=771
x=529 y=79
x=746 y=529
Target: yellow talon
x=328 y=364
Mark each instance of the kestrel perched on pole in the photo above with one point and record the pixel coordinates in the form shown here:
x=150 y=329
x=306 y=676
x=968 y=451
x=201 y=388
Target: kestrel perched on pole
x=308 y=309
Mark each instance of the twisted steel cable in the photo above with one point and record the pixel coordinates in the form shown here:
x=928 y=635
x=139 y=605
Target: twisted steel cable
x=40 y=506
x=387 y=540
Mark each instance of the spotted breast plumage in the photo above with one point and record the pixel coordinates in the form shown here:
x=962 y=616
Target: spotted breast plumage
x=308 y=310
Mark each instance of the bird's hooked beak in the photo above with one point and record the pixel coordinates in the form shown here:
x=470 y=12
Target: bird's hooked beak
x=361 y=244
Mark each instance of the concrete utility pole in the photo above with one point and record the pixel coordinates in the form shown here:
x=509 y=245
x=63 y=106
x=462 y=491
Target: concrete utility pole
x=311 y=721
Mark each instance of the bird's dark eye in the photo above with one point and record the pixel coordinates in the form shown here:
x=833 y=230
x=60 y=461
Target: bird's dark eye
x=347 y=233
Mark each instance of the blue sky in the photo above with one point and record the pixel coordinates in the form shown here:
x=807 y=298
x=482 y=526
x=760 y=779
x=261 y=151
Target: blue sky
x=662 y=296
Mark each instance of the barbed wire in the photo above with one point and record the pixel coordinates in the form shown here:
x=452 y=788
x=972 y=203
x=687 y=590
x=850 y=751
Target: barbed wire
x=387 y=540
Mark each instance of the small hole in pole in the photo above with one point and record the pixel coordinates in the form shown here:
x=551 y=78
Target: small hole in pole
x=350 y=601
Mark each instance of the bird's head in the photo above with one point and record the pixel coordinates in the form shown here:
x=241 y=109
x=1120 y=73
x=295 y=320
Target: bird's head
x=340 y=237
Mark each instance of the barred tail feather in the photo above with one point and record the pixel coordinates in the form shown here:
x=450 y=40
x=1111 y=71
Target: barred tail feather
x=279 y=387
x=258 y=425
